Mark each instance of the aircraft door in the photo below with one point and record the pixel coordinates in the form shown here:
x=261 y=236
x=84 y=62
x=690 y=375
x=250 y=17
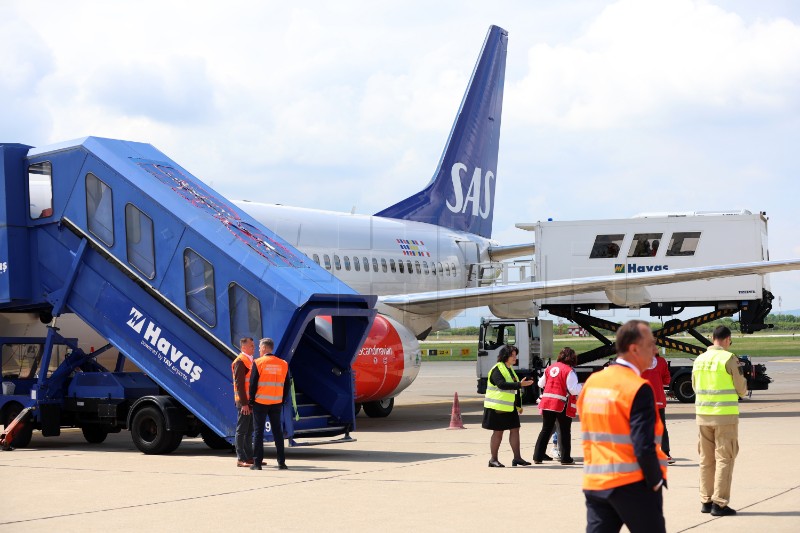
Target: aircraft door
x=471 y=254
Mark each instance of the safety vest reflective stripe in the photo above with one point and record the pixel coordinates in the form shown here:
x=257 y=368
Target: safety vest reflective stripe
x=607 y=437
x=556 y=396
x=500 y=402
x=716 y=404
x=269 y=383
x=716 y=392
x=267 y=397
x=499 y=399
x=613 y=468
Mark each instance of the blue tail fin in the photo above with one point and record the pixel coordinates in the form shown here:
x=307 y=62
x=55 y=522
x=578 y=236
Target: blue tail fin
x=461 y=194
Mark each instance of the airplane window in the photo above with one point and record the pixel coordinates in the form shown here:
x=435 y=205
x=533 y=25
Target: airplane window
x=439 y=268
x=99 y=209
x=410 y=267
x=347 y=262
x=337 y=262
x=245 y=312
x=199 y=281
x=645 y=244
x=425 y=266
x=684 y=243
x=375 y=265
x=356 y=264
x=327 y=261
x=419 y=270
x=392 y=265
x=446 y=269
x=139 y=241
x=606 y=246
x=40 y=189
x=366 y=265
x=400 y=266
x=316 y=259
x=453 y=268
x=383 y=264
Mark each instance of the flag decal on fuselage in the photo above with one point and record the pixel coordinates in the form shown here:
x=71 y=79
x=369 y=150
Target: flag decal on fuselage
x=413 y=247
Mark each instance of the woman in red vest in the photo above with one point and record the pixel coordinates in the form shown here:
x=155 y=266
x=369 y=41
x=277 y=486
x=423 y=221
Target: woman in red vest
x=558 y=404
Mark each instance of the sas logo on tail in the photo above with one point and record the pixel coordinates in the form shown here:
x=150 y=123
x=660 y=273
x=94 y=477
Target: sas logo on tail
x=633 y=268
x=480 y=184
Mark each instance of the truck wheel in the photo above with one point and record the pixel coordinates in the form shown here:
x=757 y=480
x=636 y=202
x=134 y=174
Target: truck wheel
x=95 y=434
x=24 y=433
x=214 y=441
x=379 y=409
x=149 y=431
x=175 y=441
x=682 y=387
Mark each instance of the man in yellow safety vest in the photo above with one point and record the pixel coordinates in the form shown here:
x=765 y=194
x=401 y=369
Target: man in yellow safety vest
x=718 y=384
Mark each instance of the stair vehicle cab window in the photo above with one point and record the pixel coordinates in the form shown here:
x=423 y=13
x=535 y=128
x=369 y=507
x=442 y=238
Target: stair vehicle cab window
x=645 y=245
x=606 y=246
x=139 y=241
x=245 y=313
x=683 y=243
x=40 y=189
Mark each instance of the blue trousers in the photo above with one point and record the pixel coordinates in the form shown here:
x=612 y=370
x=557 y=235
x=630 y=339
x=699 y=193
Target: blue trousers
x=244 y=437
x=260 y=414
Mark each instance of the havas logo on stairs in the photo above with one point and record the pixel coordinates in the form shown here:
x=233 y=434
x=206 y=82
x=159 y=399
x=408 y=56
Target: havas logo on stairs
x=480 y=183
x=162 y=348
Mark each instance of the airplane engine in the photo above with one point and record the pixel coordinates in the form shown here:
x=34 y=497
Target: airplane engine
x=387 y=363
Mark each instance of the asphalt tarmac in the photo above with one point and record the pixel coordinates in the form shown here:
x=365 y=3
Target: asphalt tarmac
x=407 y=472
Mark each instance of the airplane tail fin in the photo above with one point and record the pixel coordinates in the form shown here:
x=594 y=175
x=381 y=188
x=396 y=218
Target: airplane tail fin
x=460 y=195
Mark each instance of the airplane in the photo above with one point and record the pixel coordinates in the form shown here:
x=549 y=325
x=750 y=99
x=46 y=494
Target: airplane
x=421 y=255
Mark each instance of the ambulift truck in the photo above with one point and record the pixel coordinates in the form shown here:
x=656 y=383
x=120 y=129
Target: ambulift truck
x=649 y=243
x=534 y=338
x=173 y=275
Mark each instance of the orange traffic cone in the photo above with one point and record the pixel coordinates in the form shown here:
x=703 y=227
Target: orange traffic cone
x=455 y=415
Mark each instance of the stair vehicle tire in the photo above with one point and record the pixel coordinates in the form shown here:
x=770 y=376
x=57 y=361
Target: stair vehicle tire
x=214 y=441
x=149 y=431
x=95 y=433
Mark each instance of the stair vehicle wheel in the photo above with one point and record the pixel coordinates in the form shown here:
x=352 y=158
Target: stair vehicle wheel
x=175 y=441
x=25 y=433
x=95 y=433
x=149 y=431
x=379 y=409
x=214 y=441
x=683 y=389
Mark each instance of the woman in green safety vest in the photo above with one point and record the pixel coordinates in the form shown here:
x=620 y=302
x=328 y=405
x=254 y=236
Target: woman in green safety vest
x=502 y=405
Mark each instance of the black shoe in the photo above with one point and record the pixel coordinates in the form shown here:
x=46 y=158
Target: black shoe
x=569 y=461
x=706 y=507
x=716 y=510
x=282 y=466
x=496 y=464
x=255 y=467
x=520 y=462
x=546 y=457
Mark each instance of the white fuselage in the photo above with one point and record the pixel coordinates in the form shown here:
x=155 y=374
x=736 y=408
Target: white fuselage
x=376 y=255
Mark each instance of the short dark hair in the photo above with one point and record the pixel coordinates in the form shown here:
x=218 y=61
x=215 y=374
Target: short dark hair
x=721 y=333
x=245 y=340
x=505 y=353
x=629 y=333
x=568 y=356
x=267 y=342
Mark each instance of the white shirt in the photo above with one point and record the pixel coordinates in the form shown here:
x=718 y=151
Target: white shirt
x=623 y=362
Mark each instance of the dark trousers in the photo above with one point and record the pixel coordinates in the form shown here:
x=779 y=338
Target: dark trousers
x=564 y=439
x=244 y=437
x=635 y=505
x=260 y=415
x=665 y=438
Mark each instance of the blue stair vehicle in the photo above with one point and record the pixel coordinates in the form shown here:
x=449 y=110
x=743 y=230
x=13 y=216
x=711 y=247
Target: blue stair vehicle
x=173 y=276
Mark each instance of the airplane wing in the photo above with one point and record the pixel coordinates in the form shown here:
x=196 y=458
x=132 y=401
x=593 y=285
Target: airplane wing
x=441 y=301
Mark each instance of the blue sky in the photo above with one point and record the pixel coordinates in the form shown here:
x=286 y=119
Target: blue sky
x=611 y=108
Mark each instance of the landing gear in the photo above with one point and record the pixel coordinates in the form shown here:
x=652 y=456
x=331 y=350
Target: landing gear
x=379 y=409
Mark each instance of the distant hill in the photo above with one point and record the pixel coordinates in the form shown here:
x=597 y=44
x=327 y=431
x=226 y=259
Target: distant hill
x=795 y=312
